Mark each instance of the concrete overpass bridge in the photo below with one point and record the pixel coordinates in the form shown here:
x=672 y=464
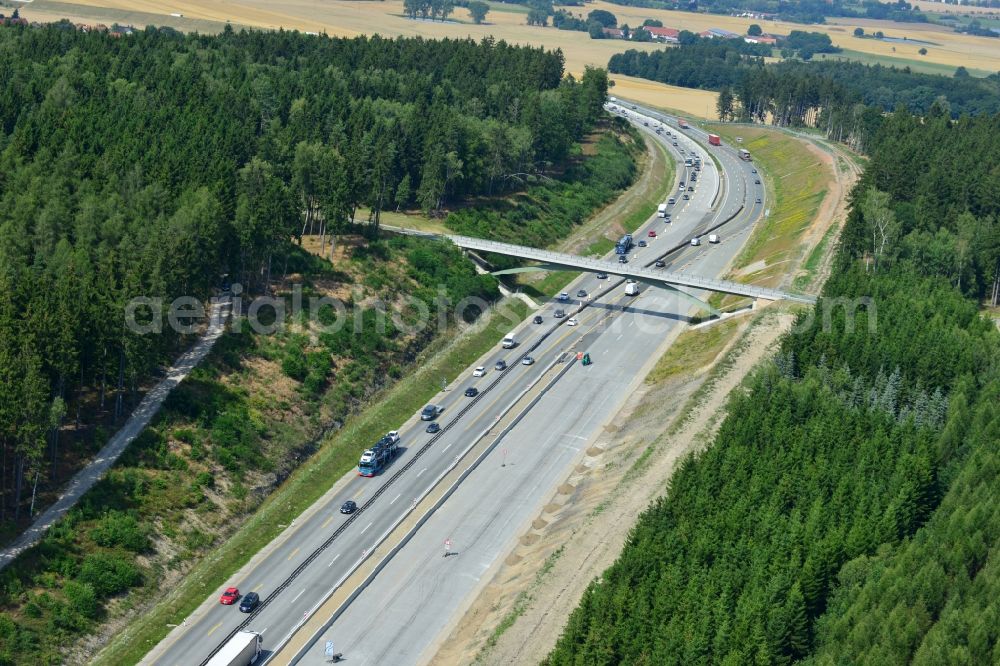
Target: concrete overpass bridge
x=561 y=261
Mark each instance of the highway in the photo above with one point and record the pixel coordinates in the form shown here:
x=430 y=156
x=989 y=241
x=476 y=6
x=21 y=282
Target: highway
x=414 y=596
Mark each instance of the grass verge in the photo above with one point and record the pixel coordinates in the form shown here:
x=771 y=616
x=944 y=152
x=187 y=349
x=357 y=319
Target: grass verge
x=337 y=455
x=693 y=349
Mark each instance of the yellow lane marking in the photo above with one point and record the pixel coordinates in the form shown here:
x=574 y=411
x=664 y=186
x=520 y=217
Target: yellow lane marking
x=213 y=629
x=326 y=522
x=293 y=553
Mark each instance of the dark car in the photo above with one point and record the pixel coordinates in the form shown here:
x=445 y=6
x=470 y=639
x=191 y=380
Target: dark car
x=756 y=181
x=581 y=294
x=501 y=365
x=430 y=412
x=642 y=243
x=660 y=263
x=249 y=602
x=559 y=314
x=471 y=392
x=433 y=427
x=758 y=200
x=537 y=319
x=350 y=506
x=622 y=259
x=602 y=276
x=753 y=170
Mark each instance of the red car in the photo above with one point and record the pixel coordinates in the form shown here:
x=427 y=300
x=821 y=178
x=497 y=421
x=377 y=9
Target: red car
x=229 y=597
x=652 y=234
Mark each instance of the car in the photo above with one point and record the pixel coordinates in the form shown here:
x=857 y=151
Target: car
x=680 y=188
x=660 y=263
x=479 y=372
x=757 y=200
x=643 y=243
x=230 y=596
x=563 y=297
x=527 y=360
x=582 y=293
x=249 y=602
x=349 y=507
x=433 y=427
x=652 y=233
x=682 y=184
x=471 y=392
x=430 y=412
x=500 y=366
x=601 y=276
x=687 y=196
x=572 y=321
x=690 y=188
x=675 y=143
x=753 y=170
x=622 y=259
x=756 y=181
x=559 y=314
x=537 y=319
x=645 y=123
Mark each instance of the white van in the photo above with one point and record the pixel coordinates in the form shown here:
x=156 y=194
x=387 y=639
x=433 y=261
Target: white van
x=508 y=342
x=713 y=238
x=631 y=288
x=695 y=241
x=661 y=210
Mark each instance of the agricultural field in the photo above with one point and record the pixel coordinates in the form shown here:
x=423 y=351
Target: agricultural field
x=689 y=101
x=947 y=49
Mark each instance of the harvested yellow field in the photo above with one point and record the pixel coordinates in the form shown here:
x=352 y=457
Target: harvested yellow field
x=353 y=17
x=698 y=103
x=942 y=8
x=949 y=48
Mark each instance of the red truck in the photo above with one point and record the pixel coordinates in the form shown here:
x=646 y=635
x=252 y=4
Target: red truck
x=682 y=123
x=714 y=140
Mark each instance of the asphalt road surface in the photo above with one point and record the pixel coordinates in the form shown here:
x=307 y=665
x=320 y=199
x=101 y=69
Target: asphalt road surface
x=398 y=617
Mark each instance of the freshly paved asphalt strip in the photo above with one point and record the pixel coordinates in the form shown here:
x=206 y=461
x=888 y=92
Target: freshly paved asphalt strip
x=137 y=422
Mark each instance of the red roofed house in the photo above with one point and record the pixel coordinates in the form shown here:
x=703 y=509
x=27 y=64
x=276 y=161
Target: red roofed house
x=663 y=34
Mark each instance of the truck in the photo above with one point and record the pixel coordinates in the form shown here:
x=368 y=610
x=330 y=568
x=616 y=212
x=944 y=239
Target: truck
x=242 y=649
x=714 y=140
x=744 y=154
x=624 y=244
x=374 y=459
x=661 y=210
x=683 y=124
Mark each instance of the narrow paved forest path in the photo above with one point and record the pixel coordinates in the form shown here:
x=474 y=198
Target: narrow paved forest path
x=85 y=479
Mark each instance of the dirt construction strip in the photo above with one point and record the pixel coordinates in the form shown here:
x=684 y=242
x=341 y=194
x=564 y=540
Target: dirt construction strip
x=85 y=479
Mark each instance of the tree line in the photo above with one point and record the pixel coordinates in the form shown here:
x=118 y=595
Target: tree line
x=844 y=512
x=847 y=100
x=154 y=164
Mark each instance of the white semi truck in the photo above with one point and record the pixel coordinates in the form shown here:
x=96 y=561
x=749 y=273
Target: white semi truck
x=242 y=649
x=661 y=210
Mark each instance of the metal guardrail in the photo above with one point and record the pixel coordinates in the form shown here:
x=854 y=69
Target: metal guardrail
x=646 y=274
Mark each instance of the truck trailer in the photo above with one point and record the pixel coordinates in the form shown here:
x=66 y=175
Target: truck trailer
x=242 y=649
x=683 y=124
x=374 y=459
x=713 y=139
x=661 y=210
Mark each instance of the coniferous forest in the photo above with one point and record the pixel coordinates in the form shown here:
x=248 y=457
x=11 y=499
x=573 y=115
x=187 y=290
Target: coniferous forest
x=844 y=99
x=155 y=164
x=846 y=512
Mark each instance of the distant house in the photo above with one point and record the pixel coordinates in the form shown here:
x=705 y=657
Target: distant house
x=762 y=39
x=614 y=33
x=663 y=34
x=10 y=20
x=713 y=33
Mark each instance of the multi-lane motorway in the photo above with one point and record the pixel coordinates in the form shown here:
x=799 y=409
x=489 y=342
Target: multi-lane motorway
x=399 y=616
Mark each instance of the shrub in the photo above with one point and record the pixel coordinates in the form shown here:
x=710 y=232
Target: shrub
x=82 y=598
x=108 y=574
x=120 y=529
